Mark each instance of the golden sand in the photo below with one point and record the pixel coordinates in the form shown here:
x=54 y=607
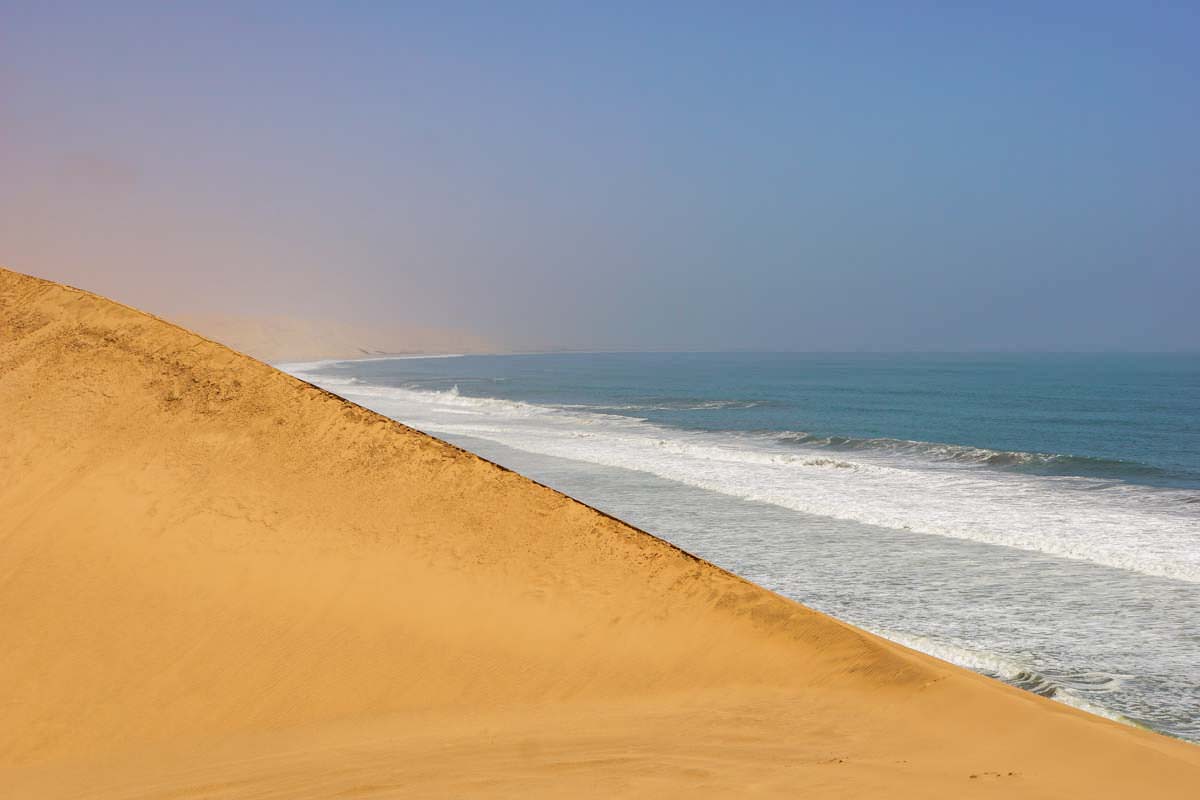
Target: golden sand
x=219 y=581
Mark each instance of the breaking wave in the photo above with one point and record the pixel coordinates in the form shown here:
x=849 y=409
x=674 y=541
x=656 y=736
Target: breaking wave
x=1083 y=691
x=912 y=486
x=1040 y=463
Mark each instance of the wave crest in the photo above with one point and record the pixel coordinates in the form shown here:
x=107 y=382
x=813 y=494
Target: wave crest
x=888 y=483
x=1047 y=463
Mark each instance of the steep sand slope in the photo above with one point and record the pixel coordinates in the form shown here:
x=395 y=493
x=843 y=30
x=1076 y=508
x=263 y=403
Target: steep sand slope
x=218 y=581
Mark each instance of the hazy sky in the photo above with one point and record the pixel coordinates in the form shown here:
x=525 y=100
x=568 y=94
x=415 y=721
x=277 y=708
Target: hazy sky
x=683 y=175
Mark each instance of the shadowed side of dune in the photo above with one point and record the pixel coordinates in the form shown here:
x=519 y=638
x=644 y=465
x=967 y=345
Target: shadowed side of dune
x=198 y=550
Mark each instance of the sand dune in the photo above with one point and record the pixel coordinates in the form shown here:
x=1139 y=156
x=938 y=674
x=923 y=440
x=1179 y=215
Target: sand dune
x=218 y=581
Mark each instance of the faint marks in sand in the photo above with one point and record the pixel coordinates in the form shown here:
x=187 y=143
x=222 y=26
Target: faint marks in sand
x=993 y=775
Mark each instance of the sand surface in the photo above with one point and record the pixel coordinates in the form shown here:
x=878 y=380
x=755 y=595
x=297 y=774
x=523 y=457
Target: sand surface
x=219 y=581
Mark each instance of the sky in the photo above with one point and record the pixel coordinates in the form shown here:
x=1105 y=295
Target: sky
x=701 y=176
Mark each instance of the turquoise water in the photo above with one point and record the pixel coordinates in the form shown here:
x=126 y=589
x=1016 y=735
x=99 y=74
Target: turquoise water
x=1034 y=517
x=1132 y=418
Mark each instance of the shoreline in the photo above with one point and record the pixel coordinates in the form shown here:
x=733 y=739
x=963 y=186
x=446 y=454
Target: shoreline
x=532 y=438
x=241 y=558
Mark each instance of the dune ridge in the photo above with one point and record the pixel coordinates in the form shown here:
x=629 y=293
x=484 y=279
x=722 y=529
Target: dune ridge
x=219 y=581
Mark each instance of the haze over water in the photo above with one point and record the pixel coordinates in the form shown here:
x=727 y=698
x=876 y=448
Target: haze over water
x=888 y=308
x=1033 y=517
x=626 y=176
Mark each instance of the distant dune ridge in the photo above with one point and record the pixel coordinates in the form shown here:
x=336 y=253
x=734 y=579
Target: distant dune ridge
x=281 y=338
x=219 y=581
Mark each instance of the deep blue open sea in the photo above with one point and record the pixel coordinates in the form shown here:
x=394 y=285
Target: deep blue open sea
x=1033 y=517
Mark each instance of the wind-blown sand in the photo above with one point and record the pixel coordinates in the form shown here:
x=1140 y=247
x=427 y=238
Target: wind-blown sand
x=218 y=581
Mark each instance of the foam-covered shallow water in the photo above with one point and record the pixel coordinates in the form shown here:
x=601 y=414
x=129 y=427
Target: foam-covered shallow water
x=1073 y=574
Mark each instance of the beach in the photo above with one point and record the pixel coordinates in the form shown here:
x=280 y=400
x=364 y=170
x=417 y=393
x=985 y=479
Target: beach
x=222 y=581
x=1029 y=516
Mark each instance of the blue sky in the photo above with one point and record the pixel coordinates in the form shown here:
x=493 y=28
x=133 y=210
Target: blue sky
x=678 y=175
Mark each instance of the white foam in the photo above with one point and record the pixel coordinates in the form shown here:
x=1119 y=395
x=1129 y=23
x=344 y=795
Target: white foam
x=1146 y=530
x=1006 y=669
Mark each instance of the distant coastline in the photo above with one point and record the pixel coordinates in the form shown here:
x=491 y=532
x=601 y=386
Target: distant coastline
x=285 y=339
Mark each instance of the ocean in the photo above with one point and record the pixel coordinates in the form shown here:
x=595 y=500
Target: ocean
x=1032 y=517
